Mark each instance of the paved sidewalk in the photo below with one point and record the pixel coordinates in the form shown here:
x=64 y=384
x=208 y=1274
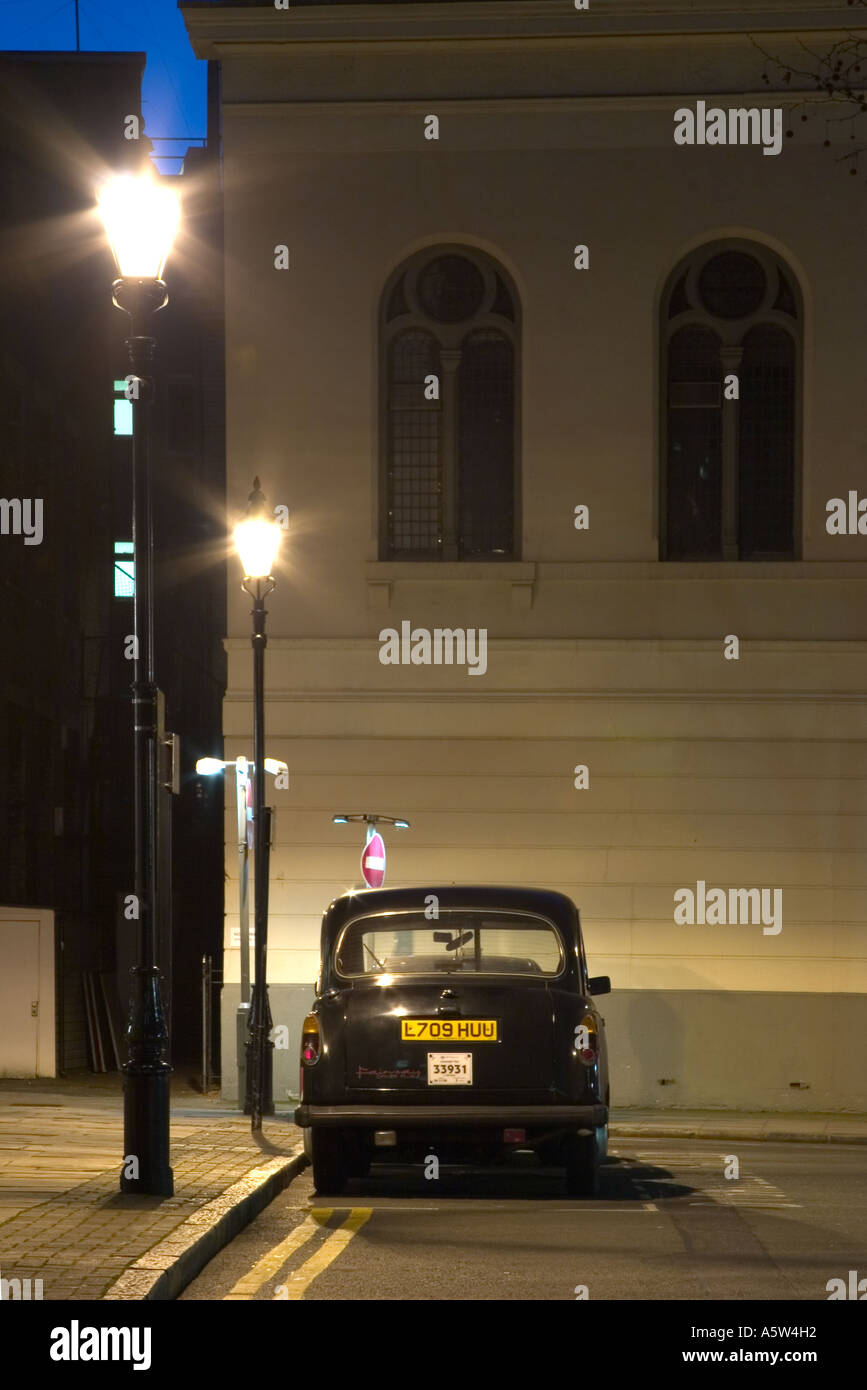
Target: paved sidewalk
x=63 y=1219
x=808 y=1127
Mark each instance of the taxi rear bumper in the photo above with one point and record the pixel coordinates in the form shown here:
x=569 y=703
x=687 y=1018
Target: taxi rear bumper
x=420 y=1116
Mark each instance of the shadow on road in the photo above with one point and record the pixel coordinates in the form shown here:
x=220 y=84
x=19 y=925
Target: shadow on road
x=522 y=1179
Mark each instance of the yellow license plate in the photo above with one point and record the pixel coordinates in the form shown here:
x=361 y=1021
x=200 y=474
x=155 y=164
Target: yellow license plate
x=449 y=1030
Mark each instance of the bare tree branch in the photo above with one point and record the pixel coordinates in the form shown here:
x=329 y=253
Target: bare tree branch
x=838 y=79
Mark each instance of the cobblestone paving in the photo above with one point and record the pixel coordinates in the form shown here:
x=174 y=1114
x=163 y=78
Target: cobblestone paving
x=62 y=1217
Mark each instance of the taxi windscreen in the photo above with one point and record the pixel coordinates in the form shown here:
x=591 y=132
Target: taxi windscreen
x=457 y=942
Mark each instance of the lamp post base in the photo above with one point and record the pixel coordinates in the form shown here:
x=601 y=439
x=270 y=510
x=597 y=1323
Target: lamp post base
x=146 y=1114
x=267 y=1092
x=146 y=1092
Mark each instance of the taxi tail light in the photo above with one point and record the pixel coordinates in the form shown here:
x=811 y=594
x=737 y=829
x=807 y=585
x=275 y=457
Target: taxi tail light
x=311 y=1041
x=587 y=1041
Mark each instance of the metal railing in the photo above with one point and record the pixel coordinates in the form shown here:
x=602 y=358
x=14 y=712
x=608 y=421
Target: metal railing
x=211 y=979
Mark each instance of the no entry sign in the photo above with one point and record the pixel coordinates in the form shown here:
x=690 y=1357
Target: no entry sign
x=373 y=861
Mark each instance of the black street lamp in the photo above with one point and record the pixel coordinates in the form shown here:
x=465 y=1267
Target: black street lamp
x=244 y=775
x=257 y=538
x=141 y=217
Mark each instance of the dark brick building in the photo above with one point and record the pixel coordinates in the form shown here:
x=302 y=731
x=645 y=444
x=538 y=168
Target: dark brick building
x=66 y=785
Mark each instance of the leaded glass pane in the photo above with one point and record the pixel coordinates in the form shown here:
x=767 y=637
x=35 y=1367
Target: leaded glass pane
x=397 y=304
x=678 y=302
x=732 y=285
x=694 y=472
x=502 y=304
x=785 y=300
x=450 y=289
x=414 y=474
x=766 y=491
x=485 y=449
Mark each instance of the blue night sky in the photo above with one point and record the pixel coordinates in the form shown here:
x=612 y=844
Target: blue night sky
x=173 y=98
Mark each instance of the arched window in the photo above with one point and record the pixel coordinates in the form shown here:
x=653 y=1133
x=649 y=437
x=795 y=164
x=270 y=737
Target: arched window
x=449 y=334
x=731 y=325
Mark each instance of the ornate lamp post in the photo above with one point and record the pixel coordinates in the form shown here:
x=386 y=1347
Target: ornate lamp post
x=257 y=538
x=141 y=217
x=243 y=778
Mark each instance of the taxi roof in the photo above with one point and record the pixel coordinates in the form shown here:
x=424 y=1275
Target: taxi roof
x=557 y=906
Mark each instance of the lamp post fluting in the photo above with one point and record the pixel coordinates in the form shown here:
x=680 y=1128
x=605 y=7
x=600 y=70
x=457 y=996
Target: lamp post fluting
x=140 y=219
x=258 y=539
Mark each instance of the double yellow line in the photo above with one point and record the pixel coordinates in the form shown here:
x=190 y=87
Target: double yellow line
x=300 y=1280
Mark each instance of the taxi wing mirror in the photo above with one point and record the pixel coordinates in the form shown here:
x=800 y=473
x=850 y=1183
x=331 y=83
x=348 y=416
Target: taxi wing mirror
x=599 y=984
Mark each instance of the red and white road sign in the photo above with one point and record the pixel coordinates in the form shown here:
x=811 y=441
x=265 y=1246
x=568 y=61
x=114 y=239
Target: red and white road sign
x=373 y=861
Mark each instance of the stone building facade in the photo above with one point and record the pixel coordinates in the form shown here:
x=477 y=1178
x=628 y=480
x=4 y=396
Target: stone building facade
x=648 y=359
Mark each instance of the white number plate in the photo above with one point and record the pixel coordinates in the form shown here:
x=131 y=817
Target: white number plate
x=450 y=1068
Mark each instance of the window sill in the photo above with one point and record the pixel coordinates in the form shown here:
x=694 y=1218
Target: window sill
x=382 y=575
x=523 y=577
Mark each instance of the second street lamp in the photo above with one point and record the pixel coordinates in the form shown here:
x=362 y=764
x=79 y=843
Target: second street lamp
x=208 y=767
x=141 y=217
x=258 y=540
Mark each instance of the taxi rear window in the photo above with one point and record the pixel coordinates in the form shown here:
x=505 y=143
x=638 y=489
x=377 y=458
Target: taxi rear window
x=475 y=942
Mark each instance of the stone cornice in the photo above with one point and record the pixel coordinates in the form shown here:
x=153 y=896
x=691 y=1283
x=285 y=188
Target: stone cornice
x=225 y=31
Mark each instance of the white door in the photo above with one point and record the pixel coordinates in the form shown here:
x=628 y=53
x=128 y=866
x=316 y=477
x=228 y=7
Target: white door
x=19 y=992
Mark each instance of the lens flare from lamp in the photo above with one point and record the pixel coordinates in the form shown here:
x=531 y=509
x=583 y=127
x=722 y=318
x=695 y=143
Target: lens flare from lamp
x=141 y=218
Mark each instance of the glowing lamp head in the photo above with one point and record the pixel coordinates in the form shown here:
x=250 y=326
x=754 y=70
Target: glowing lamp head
x=257 y=537
x=206 y=767
x=141 y=218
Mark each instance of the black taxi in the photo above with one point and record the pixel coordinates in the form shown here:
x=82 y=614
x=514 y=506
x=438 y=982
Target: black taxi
x=457 y=1022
